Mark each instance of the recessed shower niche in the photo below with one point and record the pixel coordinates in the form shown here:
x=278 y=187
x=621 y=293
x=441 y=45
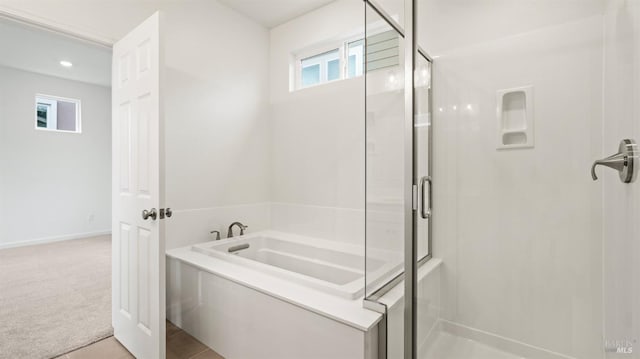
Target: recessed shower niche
x=515 y=117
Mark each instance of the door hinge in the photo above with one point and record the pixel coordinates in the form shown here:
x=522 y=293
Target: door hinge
x=165 y=213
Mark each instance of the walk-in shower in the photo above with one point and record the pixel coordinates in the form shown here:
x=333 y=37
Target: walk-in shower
x=483 y=132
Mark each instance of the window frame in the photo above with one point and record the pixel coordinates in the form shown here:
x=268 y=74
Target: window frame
x=323 y=63
x=346 y=57
x=44 y=98
x=341 y=46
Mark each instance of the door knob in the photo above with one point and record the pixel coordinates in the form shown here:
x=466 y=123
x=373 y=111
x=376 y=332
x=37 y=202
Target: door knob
x=153 y=213
x=625 y=161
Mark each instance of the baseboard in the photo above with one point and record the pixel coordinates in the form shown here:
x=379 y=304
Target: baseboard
x=65 y=237
x=499 y=342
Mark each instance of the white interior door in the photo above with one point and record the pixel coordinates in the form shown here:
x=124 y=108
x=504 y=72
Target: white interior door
x=138 y=244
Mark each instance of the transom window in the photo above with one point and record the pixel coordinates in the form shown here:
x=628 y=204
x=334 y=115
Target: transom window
x=343 y=62
x=320 y=68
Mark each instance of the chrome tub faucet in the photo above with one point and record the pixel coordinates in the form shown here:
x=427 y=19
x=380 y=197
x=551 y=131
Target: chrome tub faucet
x=240 y=225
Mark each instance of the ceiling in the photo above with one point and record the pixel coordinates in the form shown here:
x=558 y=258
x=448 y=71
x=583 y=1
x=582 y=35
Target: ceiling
x=38 y=50
x=271 y=13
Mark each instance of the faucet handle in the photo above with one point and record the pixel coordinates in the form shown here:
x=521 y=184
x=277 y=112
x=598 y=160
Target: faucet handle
x=625 y=161
x=217 y=234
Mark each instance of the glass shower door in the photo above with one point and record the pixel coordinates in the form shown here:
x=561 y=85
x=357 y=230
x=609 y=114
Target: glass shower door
x=398 y=179
x=426 y=304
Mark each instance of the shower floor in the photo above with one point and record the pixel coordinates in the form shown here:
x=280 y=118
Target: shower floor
x=449 y=346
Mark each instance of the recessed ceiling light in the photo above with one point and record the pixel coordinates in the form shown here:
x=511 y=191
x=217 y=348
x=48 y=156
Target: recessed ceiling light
x=66 y=63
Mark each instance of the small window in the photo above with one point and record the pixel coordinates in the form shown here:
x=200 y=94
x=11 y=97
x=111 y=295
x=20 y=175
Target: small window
x=343 y=62
x=320 y=68
x=57 y=114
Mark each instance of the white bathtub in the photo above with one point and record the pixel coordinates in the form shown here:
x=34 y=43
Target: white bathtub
x=292 y=296
x=323 y=265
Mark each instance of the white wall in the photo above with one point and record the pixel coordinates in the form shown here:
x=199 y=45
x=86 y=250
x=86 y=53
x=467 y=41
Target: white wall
x=217 y=109
x=96 y=19
x=52 y=185
x=621 y=242
x=217 y=119
x=519 y=231
x=215 y=95
x=219 y=83
x=446 y=25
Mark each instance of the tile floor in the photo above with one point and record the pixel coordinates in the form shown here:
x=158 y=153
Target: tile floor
x=180 y=345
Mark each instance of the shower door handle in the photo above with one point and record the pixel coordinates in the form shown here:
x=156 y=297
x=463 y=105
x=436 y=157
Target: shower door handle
x=425 y=205
x=625 y=161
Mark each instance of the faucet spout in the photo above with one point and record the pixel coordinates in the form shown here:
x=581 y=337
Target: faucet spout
x=240 y=225
x=617 y=162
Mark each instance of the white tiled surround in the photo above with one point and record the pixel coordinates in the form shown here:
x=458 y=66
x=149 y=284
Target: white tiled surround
x=194 y=225
x=519 y=231
x=332 y=223
x=621 y=242
x=317 y=133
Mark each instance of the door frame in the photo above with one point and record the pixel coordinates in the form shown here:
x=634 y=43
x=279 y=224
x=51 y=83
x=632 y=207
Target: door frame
x=57 y=27
x=92 y=38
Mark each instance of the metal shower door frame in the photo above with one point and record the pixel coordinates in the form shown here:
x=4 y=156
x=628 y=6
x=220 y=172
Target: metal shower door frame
x=411 y=187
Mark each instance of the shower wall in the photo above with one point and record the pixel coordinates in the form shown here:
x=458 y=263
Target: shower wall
x=318 y=168
x=317 y=133
x=217 y=121
x=219 y=140
x=519 y=230
x=621 y=245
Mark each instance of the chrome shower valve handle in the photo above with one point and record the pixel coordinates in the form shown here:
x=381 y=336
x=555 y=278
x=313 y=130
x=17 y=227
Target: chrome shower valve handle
x=625 y=161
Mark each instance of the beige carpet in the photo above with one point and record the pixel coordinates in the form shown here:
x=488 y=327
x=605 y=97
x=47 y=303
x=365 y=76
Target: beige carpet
x=54 y=297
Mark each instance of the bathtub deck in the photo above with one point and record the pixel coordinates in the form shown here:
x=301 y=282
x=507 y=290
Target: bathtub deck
x=347 y=311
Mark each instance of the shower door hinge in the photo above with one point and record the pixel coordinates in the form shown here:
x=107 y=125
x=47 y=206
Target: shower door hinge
x=414 y=197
